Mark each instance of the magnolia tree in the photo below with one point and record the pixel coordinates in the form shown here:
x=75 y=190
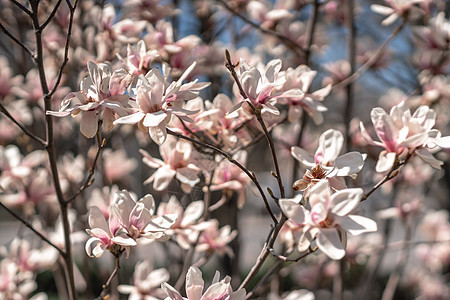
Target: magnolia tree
x=146 y=145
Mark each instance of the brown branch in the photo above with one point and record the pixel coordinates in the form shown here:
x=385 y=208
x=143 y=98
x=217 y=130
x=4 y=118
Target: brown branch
x=230 y=66
x=30 y=226
x=23 y=8
x=282 y=38
x=233 y=161
x=22 y=45
x=26 y=131
x=52 y=15
x=395 y=169
x=351 y=48
x=117 y=254
x=370 y=62
x=88 y=180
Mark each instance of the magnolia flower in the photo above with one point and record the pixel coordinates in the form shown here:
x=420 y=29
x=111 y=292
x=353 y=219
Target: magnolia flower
x=260 y=85
x=158 y=100
x=138 y=58
x=297 y=83
x=102 y=91
x=147 y=282
x=195 y=284
x=328 y=220
x=228 y=177
x=326 y=164
x=106 y=234
x=186 y=228
x=137 y=219
x=398 y=8
x=177 y=162
x=215 y=240
x=399 y=132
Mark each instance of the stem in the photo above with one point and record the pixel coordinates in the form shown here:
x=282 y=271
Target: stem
x=26 y=131
x=296 y=48
x=22 y=45
x=30 y=226
x=39 y=60
x=117 y=254
x=352 y=61
x=353 y=77
x=230 y=66
x=233 y=161
x=264 y=252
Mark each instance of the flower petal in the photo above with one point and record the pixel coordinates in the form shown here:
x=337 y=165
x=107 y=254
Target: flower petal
x=329 y=243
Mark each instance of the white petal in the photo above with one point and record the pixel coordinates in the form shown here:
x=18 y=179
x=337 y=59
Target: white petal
x=329 y=243
x=357 y=224
x=349 y=163
x=293 y=210
x=89 y=123
x=344 y=201
x=428 y=158
x=385 y=161
x=194 y=283
x=303 y=157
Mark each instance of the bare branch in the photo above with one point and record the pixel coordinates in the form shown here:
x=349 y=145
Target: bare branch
x=30 y=226
x=22 y=45
x=52 y=15
x=23 y=8
x=26 y=131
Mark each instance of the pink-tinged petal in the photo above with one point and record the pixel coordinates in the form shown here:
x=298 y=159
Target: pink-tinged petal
x=272 y=69
x=293 y=210
x=319 y=193
x=385 y=128
x=97 y=219
x=124 y=241
x=322 y=93
x=416 y=140
x=59 y=113
x=219 y=290
x=357 y=224
x=171 y=292
x=329 y=243
x=330 y=145
x=161 y=223
x=303 y=157
x=428 y=158
x=98 y=250
x=150 y=161
x=194 y=283
x=154 y=119
x=158 y=133
x=100 y=234
x=149 y=203
x=140 y=216
x=89 y=123
x=108 y=119
x=249 y=81
x=88 y=246
x=113 y=222
x=192 y=213
x=385 y=161
x=367 y=136
x=162 y=178
x=130 y=119
x=349 y=163
x=344 y=201
x=383 y=10
x=389 y=20
x=188 y=176
x=119 y=82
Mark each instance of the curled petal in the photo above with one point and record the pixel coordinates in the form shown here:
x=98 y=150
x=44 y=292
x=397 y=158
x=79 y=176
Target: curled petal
x=329 y=243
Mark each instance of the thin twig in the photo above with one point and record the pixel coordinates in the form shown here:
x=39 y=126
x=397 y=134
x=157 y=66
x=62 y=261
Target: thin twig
x=369 y=63
x=264 y=252
x=117 y=254
x=395 y=169
x=284 y=39
x=26 y=131
x=66 y=47
x=287 y=259
x=23 y=8
x=230 y=66
x=52 y=15
x=89 y=181
x=22 y=45
x=30 y=226
x=233 y=161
